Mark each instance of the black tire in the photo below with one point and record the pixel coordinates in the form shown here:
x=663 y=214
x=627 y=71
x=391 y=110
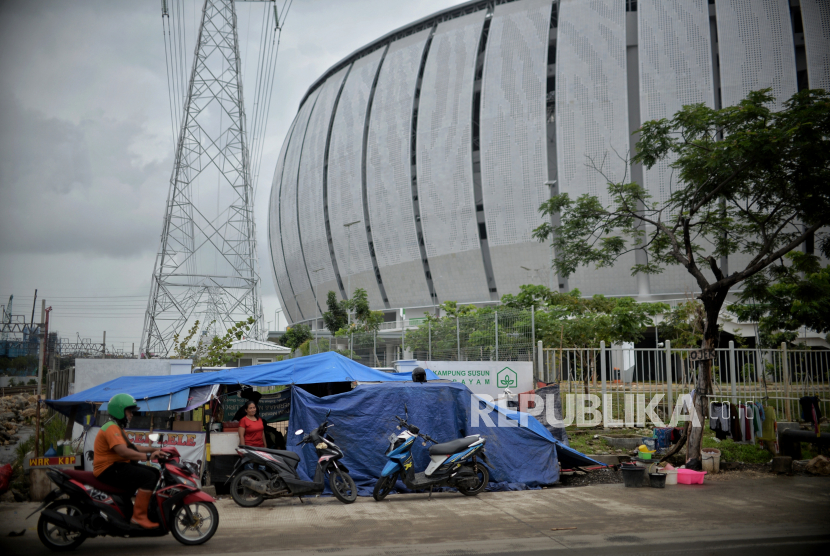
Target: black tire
x=58 y=539
x=384 y=486
x=200 y=529
x=243 y=495
x=483 y=477
x=342 y=486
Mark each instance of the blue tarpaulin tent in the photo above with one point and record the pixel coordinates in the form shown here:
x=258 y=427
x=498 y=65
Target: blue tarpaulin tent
x=522 y=457
x=159 y=393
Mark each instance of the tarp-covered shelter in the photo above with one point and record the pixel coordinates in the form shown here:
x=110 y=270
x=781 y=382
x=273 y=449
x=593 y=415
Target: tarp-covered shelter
x=364 y=418
x=183 y=392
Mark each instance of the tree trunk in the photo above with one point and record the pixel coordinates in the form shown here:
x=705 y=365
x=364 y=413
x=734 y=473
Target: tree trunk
x=712 y=303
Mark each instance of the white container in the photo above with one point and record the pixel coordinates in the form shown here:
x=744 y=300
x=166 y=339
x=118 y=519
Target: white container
x=710 y=460
x=671 y=476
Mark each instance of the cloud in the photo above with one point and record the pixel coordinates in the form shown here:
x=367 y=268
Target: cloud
x=78 y=188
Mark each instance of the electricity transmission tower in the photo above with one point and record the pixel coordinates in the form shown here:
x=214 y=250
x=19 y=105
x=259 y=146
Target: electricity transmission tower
x=206 y=266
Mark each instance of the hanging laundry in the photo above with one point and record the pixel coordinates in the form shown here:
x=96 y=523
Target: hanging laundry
x=719 y=419
x=735 y=424
x=749 y=414
x=770 y=429
x=811 y=412
x=759 y=419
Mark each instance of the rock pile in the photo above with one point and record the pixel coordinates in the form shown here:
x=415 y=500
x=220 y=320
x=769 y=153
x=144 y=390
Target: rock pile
x=14 y=412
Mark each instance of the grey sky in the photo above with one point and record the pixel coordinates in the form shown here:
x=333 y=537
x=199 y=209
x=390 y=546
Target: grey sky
x=86 y=147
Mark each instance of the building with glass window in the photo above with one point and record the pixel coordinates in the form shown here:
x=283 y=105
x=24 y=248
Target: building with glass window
x=415 y=167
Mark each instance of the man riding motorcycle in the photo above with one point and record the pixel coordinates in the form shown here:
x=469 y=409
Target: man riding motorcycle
x=115 y=460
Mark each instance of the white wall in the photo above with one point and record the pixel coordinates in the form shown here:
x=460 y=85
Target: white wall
x=92 y=372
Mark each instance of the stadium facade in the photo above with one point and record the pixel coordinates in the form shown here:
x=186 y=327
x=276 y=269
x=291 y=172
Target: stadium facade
x=415 y=167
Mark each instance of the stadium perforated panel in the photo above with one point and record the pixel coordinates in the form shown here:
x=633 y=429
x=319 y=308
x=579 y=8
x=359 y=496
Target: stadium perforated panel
x=756 y=49
x=444 y=162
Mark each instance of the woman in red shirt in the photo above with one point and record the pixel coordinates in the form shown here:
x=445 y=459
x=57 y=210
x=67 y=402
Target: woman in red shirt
x=251 y=427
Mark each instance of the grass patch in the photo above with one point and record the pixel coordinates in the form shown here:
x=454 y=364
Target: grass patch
x=583 y=441
x=732 y=451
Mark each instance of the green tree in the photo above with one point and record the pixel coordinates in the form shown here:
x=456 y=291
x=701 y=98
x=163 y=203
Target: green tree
x=337 y=316
x=214 y=353
x=365 y=320
x=785 y=297
x=748 y=181
x=295 y=336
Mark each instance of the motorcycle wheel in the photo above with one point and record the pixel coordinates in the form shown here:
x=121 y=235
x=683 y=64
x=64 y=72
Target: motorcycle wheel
x=342 y=486
x=200 y=528
x=243 y=495
x=58 y=539
x=483 y=477
x=384 y=486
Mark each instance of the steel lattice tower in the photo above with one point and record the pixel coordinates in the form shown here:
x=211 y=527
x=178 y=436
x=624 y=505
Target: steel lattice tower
x=206 y=266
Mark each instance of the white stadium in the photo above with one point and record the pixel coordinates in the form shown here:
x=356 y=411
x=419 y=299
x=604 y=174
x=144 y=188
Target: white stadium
x=415 y=167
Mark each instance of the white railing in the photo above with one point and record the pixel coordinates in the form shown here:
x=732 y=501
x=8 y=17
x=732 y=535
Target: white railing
x=779 y=376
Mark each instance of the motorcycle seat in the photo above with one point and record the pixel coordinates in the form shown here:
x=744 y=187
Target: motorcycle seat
x=448 y=448
x=287 y=454
x=88 y=478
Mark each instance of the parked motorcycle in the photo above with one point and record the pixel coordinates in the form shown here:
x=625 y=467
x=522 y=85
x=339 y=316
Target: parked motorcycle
x=264 y=473
x=83 y=507
x=454 y=464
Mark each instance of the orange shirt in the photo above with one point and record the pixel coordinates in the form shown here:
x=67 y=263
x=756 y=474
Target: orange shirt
x=108 y=438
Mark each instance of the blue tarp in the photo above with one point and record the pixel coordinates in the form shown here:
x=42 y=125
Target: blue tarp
x=319 y=368
x=521 y=457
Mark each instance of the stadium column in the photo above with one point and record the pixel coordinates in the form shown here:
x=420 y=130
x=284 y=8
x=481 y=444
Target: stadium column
x=632 y=58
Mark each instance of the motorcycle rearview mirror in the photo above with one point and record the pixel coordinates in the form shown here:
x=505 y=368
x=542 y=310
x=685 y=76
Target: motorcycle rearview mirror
x=154 y=437
x=299 y=432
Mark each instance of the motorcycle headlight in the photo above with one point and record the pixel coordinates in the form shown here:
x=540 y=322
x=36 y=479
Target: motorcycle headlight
x=184 y=481
x=322 y=446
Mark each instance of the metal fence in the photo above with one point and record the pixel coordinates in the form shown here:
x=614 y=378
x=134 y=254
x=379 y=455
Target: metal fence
x=779 y=377
x=505 y=335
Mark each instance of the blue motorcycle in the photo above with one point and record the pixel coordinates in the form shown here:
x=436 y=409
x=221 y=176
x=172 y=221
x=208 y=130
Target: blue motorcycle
x=454 y=464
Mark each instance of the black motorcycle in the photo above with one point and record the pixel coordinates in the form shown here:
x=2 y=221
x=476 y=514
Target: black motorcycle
x=264 y=473
x=83 y=507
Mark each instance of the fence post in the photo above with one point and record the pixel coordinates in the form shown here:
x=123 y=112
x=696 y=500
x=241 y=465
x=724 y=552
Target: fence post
x=497 y=335
x=732 y=372
x=669 y=379
x=785 y=369
x=457 y=338
x=603 y=369
x=429 y=331
x=375 y=347
x=540 y=370
x=541 y=361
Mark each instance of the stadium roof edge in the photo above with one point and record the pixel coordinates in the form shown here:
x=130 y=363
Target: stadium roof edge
x=447 y=14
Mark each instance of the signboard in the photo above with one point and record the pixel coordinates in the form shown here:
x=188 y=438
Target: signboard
x=485 y=377
x=60 y=461
x=191 y=445
x=272 y=407
x=701 y=354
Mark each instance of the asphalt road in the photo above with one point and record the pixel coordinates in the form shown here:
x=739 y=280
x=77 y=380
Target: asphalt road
x=775 y=516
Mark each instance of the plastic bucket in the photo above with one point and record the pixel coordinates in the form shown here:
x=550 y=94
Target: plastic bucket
x=690 y=477
x=657 y=480
x=633 y=476
x=671 y=476
x=710 y=460
x=650 y=443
